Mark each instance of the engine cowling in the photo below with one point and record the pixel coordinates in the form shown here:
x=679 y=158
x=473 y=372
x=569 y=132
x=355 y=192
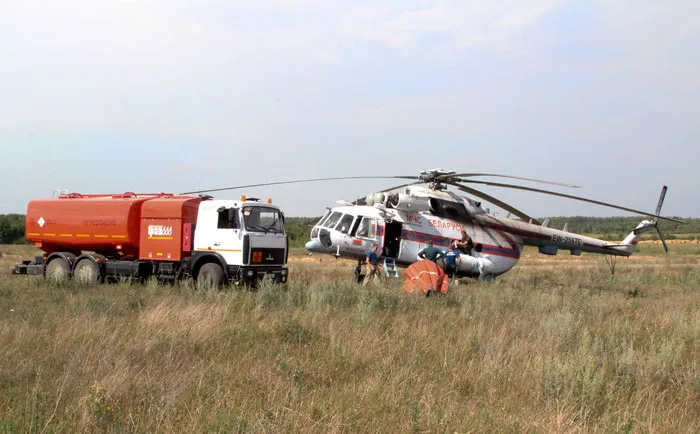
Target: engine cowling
x=407 y=202
x=375 y=198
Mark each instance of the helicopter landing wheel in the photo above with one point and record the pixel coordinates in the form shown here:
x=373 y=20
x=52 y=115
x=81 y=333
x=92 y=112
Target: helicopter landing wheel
x=488 y=278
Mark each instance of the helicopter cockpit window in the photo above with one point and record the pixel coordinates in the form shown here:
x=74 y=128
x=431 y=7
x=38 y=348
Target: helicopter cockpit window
x=345 y=223
x=228 y=218
x=355 y=226
x=320 y=222
x=332 y=220
x=367 y=228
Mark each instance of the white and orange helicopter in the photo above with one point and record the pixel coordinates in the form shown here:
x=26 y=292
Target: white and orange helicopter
x=401 y=223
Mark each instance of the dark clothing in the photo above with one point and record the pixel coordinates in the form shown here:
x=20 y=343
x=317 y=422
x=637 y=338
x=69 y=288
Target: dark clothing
x=372 y=269
x=451 y=257
x=372 y=257
x=431 y=252
x=466 y=245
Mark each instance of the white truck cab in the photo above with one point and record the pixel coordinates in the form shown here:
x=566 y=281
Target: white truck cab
x=240 y=241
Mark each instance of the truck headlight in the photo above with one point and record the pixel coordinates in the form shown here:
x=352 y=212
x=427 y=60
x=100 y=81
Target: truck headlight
x=284 y=272
x=250 y=273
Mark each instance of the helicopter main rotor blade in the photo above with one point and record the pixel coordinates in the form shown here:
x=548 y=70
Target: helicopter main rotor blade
x=496 y=202
x=298 y=181
x=568 y=196
x=400 y=186
x=561 y=184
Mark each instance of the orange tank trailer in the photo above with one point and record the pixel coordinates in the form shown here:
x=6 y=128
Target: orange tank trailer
x=110 y=224
x=167 y=228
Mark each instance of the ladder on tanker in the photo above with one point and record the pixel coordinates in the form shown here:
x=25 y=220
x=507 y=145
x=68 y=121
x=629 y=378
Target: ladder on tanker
x=390 y=270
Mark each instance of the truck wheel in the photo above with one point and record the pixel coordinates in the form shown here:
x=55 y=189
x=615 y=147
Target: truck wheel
x=87 y=272
x=210 y=276
x=58 y=270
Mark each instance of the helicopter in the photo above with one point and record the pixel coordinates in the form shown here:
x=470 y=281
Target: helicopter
x=402 y=223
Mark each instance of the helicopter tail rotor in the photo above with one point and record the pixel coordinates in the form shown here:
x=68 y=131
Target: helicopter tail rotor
x=646 y=226
x=658 y=213
x=661 y=237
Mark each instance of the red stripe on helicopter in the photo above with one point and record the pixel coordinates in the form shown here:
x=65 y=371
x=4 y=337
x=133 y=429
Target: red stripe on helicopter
x=610 y=248
x=379 y=230
x=421 y=237
x=500 y=251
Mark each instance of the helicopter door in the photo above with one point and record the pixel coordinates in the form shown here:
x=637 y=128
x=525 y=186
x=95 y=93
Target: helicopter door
x=370 y=230
x=392 y=239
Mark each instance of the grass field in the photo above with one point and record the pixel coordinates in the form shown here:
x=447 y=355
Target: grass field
x=556 y=345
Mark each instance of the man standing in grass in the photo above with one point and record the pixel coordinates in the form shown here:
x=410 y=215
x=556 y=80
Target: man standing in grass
x=372 y=265
x=452 y=260
x=431 y=252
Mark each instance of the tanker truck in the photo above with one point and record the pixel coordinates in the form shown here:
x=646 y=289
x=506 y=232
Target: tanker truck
x=94 y=237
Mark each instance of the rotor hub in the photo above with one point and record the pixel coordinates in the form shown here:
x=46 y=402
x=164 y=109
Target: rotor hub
x=437 y=178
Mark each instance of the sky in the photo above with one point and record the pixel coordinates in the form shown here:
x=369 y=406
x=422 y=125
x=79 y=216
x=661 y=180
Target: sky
x=107 y=96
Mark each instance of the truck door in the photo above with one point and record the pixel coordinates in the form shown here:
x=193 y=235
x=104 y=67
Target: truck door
x=227 y=240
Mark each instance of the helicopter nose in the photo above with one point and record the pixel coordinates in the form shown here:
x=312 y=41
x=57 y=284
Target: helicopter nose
x=314 y=246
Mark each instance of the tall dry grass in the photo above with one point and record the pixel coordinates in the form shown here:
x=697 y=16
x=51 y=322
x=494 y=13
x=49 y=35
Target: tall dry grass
x=557 y=346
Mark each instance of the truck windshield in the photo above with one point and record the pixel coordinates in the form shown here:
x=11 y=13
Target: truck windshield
x=262 y=219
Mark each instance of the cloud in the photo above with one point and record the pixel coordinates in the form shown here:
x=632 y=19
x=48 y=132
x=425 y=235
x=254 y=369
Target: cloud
x=547 y=88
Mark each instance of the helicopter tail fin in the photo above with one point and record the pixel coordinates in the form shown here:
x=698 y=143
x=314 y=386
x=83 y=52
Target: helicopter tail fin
x=630 y=242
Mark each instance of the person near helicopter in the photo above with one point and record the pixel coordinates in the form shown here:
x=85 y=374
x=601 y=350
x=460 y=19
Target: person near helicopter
x=431 y=252
x=465 y=244
x=452 y=260
x=372 y=261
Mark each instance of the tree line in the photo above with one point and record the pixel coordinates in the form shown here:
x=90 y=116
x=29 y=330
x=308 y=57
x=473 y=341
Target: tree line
x=623 y=225
x=12 y=229
x=298 y=228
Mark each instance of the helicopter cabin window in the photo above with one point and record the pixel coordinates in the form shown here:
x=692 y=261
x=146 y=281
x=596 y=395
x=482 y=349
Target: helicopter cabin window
x=367 y=228
x=228 y=218
x=449 y=210
x=345 y=223
x=332 y=220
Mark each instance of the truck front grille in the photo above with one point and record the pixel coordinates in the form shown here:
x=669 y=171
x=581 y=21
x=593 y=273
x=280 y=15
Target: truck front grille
x=265 y=256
